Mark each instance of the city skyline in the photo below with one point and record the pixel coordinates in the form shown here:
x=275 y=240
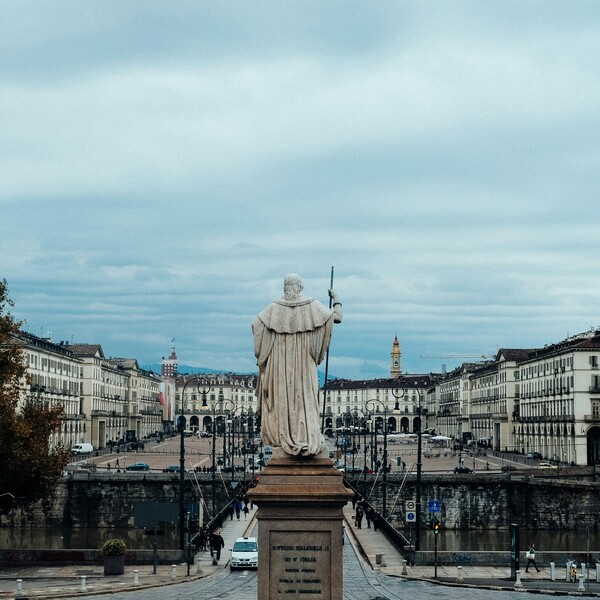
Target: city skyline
x=165 y=167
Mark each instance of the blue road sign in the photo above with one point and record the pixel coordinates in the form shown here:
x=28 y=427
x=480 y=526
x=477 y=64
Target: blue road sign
x=434 y=506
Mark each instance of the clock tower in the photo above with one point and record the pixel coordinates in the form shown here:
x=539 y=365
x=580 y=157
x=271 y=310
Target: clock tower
x=396 y=368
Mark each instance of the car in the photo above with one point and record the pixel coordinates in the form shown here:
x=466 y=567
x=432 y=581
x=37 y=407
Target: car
x=350 y=469
x=139 y=466
x=462 y=469
x=82 y=449
x=229 y=468
x=546 y=465
x=534 y=455
x=172 y=469
x=204 y=434
x=244 y=554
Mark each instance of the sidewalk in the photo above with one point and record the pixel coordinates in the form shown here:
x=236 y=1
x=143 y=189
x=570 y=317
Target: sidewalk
x=68 y=581
x=370 y=544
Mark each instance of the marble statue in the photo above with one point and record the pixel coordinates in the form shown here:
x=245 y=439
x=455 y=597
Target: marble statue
x=291 y=337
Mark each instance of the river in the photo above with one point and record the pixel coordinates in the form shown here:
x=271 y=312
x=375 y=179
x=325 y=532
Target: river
x=453 y=541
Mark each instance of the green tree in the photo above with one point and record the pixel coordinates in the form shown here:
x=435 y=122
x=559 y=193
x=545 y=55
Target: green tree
x=30 y=468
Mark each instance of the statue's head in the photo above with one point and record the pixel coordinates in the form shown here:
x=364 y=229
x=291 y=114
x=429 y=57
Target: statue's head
x=292 y=286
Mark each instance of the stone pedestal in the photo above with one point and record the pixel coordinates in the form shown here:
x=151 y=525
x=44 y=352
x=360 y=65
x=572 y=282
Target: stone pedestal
x=300 y=532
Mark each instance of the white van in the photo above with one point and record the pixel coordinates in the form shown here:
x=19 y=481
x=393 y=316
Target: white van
x=244 y=554
x=82 y=449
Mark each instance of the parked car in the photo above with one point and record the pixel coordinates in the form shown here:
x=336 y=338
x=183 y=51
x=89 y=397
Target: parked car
x=82 y=448
x=462 y=469
x=172 y=469
x=350 y=469
x=244 y=554
x=140 y=466
x=204 y=434
x=229 y=469
x=534 y=455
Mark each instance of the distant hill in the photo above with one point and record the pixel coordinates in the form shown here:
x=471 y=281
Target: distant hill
x=183 y=369
x=187 y=370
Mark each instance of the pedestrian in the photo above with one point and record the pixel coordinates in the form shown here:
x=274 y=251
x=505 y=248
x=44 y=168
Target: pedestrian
x=368 y=516
x=530 y=556
x=374 y=520
x=246 y=511
x=216 y=545
x=359 y=517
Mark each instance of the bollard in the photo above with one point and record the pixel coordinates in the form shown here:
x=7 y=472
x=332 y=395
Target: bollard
x=459 y=576
x=82 y=587
x=136 y=577
x=19 y=587
x=173 y=571
x=404 y=569
x=518 y=581
x=568 y=574
x=584 y=572
x=598 y=571
x=552 y=571
x=378 y=559
x=581 y=587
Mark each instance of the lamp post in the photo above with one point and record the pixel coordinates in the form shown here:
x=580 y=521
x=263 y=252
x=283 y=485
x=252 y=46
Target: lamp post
x=384 y=457
x=214 y=407
x=398 y=394
x=200 y=383
x=356 y=432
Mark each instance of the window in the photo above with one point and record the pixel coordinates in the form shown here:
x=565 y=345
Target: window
x=596 y=409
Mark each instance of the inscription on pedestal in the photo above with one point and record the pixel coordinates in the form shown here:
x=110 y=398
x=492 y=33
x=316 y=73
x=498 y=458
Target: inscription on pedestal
x=300 y=564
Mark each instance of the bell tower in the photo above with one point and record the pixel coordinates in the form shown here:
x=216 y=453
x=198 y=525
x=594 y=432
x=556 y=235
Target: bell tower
x=396 y=368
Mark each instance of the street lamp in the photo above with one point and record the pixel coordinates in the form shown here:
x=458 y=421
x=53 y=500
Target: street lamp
x=398 y=394
x=203 y=389
x=362 y=421
x=384 y=461
x=213 y=411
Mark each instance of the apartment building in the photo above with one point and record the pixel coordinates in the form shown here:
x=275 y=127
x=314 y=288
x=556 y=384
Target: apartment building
x=399 y=402
x=54 y=378
x=216 y=398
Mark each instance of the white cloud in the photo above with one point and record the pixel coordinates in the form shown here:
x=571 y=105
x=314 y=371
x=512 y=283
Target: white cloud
x=447 y=170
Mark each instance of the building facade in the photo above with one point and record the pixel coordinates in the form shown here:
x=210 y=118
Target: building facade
x=54 y=378
x=222 y=400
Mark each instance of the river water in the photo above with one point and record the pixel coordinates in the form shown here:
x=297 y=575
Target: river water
x=453 y=541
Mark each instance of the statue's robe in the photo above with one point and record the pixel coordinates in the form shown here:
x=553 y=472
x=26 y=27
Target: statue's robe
x=290 y=339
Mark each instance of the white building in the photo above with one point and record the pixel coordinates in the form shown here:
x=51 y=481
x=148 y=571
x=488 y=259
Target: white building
x=53 y=373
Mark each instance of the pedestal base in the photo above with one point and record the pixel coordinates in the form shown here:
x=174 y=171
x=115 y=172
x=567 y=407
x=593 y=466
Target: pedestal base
x=300 y=532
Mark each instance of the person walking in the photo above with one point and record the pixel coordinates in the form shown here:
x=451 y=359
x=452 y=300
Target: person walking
x=216 y=545
x=359 y=517
x=530 y=556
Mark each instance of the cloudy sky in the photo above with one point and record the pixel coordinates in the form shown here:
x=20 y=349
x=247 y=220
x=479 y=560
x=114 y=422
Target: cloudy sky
x=164 y=165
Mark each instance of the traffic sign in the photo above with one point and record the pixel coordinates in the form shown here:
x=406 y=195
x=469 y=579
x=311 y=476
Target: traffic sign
x=411 y=517
x=410 y=506
x=434 y=506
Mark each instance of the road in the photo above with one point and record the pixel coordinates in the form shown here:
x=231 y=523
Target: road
x=360 y=583
x=199 y=454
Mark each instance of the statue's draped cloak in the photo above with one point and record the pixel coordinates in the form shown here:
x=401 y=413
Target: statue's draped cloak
x=290 y=340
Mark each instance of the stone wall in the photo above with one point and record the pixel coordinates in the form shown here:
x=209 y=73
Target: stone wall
x=103 y=500
x=495 y=501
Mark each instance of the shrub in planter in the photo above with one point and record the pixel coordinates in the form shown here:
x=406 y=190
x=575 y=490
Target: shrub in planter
x=114 y=556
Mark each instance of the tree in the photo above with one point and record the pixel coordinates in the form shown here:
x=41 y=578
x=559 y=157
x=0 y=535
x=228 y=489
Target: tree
x=30 y=467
